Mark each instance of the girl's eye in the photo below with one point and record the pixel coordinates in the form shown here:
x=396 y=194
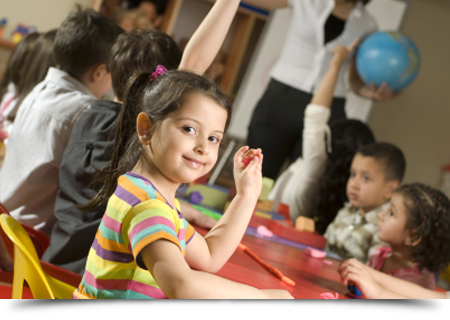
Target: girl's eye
x=391 y=213
x=214 y=139
x=352 y=174
x=366 y=178
x=189 y=130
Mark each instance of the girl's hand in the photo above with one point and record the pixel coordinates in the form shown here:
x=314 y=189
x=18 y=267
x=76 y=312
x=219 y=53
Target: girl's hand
x=383 y=93
x=353 y=271
x=248 y=178
x=341 y=53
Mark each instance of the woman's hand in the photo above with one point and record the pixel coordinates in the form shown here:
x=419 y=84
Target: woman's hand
x=382 y=93
x=353 y=271
x=248 y=178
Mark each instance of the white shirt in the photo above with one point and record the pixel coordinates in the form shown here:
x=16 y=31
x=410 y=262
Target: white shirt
x=8 y=98
x=305 y=59
x=29 y=177
x=298 y=185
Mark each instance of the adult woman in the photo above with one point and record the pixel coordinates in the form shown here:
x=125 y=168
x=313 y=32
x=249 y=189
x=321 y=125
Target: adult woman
x=316 y=28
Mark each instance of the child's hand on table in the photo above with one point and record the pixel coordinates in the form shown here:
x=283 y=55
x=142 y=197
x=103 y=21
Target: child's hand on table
x=353 y=271
x=248 y=177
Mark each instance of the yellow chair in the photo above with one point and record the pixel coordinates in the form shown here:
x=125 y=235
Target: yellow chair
x=28 y=268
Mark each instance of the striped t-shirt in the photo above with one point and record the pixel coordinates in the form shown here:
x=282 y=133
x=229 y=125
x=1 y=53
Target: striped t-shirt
x=136 y=215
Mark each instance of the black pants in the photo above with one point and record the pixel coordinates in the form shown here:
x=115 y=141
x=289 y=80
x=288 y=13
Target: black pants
x=277 y=124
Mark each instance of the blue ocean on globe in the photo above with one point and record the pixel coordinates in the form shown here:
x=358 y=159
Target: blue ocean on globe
x=388 y=56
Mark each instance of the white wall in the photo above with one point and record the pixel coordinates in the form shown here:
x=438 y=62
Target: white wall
x=389 y=15
x=43 y=14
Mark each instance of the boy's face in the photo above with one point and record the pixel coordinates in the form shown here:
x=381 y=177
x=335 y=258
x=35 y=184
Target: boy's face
x=367 y=188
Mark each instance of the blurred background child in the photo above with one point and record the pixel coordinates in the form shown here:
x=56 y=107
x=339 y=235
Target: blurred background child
x=13 y=76
x=377 y=170
x=417 y=228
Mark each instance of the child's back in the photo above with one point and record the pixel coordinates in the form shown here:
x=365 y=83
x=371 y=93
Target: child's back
x=29 y=175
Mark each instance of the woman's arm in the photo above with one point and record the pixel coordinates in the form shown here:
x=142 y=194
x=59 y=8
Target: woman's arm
x=173 y=275
x=378 y=285
x=206 y=41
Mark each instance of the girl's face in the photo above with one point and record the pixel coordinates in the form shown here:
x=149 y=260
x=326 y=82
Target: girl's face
x=186 y=145
x=392 y=225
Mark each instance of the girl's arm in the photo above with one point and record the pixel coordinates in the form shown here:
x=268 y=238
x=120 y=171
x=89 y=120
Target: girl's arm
x=378 y=285
x=324 y=93
x=173 y=275
x=206 y=41
x=211 y=253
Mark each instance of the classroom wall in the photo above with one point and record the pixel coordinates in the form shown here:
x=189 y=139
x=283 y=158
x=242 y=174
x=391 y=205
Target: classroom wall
x=43 y=14
x=419 y=121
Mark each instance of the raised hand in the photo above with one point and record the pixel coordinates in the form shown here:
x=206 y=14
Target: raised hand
x=248 y=177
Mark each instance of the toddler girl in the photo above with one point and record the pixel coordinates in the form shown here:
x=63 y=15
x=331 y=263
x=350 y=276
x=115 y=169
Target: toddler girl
x=169 y=131
x=417 y=228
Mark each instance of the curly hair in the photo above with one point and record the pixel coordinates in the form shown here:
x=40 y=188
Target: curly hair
x=428 y=212
x=346 y=137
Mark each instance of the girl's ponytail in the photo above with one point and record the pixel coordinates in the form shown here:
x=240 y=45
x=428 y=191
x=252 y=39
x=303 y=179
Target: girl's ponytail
x=126 y=151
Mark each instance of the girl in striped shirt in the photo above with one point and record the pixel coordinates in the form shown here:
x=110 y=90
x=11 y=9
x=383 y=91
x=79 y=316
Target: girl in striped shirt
x=170 y=128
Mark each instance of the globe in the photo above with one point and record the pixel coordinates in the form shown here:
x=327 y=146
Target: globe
x=388 y=56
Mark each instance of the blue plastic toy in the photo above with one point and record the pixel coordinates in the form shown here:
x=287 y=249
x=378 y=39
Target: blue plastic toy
x=388 y=56
x=354 y=289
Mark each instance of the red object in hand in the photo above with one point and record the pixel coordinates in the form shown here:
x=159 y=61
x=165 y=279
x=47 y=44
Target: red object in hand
x=247 y=161
x=273 y=270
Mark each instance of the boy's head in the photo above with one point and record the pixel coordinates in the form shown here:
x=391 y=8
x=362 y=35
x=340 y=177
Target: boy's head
x=83 y=48
x=376 y=171
x=141 y=51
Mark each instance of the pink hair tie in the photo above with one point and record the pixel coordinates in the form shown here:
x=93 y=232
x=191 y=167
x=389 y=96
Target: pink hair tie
x=160 y=70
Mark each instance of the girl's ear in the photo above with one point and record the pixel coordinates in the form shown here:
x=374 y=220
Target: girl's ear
x=412 y=241
x=143 y=126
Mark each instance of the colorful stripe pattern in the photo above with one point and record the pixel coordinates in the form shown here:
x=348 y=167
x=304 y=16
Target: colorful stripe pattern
x=136 y=215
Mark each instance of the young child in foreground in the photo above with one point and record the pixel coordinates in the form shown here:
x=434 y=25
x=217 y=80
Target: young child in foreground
x=416 y=226
x=92 y=135
x=376 y=171
x=170 y=129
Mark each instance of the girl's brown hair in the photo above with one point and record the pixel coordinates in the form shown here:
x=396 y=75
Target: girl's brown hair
x=157 y=98
x=428 y=212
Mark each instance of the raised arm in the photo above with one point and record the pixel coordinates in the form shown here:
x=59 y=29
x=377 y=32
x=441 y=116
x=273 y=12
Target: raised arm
x=324 y=93
x=206 y=41
x=211 y=253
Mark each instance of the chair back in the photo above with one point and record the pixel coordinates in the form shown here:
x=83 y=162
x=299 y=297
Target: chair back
x=27 y=266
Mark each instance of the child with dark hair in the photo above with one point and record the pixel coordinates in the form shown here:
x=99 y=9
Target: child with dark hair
x=170 y=129
x=92 y=137
x=12 y=78
x=417 y=228
x=376 y=172
x=29 y=175
x=35 y=68
x=326 y=158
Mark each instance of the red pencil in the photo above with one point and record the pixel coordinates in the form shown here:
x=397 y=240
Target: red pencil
x=274 y=270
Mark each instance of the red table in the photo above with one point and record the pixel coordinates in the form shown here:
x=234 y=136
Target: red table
x=311 y=276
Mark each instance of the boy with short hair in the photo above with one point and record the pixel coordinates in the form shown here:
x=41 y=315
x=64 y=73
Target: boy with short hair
x=30 y=172
x=377 y=170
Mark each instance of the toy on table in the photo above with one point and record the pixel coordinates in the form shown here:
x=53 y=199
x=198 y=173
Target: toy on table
x=315 y=253
x=273 y=270
x=195 y=197
x=207 y=212
x=212 y=196
x=305 y=224
x=20 y=31
x=329 y=295
x=267 y=185
x=283 y=209
x=354 y=289
x=263 y=231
